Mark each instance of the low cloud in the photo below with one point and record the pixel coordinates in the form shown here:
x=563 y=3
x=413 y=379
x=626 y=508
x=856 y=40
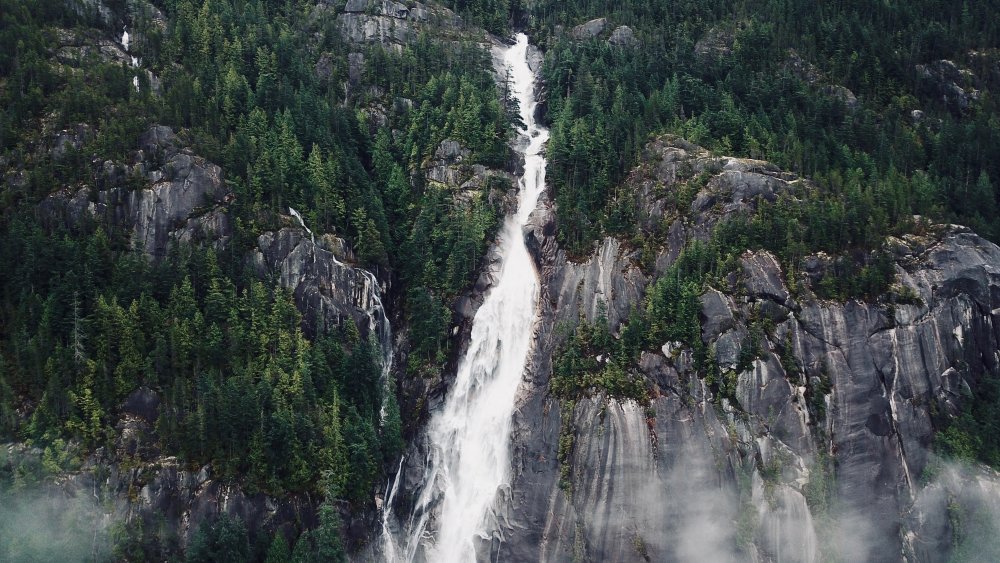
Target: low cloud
x=48 y=521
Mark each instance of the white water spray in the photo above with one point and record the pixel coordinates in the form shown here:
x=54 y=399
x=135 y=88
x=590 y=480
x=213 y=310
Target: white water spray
x=302 y=223
x=126 y=39
x=468 y=465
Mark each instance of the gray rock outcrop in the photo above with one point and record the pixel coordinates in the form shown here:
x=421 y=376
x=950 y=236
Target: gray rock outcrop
x=326 y=291
x=590 y=29
x=178 y=202
x=716 y=43
x=183 y=199
x=843 y=94
x=953 y=86
x=623 y=36
x=390 y=23
x=810 y=74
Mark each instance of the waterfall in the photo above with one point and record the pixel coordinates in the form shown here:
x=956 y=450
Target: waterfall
x=378 y=322
x=135 y=61
x=302 y=223
x=468 y=462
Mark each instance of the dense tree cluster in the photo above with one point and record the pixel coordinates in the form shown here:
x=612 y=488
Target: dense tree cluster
x=592 y=360
x=241 y=386
x=750 y=97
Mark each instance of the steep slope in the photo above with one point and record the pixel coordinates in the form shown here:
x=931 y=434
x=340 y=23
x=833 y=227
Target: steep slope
x=730 y=361
x=201 y=363
x=818 y=445
x=187 y=203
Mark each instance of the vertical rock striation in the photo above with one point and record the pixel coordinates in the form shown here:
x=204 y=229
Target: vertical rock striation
x=699 y=477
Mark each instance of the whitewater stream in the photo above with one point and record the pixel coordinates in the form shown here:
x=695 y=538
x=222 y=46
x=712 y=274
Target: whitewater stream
x=467 y=469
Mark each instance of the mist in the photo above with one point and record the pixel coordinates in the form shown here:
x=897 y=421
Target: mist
x=697 y=500
x=960 y=508
x=43 y=521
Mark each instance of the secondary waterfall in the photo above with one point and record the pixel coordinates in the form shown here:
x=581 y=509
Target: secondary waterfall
x=468 y=463
x=378 y=322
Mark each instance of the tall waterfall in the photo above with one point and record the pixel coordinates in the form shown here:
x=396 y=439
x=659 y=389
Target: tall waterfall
x=468 y=463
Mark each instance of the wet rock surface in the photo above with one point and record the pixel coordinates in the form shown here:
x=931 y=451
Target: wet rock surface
x=327 y=291
x=841 y=394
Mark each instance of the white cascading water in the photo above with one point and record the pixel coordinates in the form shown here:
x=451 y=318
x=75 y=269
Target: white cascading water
x=469 y=438
x=380 y=327
x=135 y=61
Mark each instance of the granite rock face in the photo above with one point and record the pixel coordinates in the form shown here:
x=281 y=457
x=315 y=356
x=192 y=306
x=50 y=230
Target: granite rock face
x=327 y=291
x=843 y=397
x=952 y=85
x=810 y=74
x=390 y=23
x=590 y=29
x=182 y=198
x=178 y=197
x=716 y=43
x=623 y=36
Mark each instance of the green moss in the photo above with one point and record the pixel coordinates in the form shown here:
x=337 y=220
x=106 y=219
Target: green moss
x=567 y=436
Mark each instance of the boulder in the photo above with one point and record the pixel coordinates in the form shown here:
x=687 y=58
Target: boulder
x=68 y=140
x=451 y=152
x=590 y=29
x=623 y=36
x=716 y=43
x=953 y=86
x=843 y=94
x=143 y=403
x=716 y=315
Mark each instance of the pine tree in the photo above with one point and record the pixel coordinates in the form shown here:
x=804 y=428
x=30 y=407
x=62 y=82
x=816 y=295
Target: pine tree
x=278 y=552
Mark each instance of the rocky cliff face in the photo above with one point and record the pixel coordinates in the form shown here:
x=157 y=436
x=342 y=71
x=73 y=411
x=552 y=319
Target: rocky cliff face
x=390 y=23
x=175 y=196
x=839 y=407
x=327 y=291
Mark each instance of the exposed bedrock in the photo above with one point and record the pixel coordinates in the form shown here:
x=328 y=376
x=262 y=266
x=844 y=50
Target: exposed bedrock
x=695 y=476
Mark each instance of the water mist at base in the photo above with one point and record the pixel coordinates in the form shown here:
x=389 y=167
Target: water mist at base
x=468 y=463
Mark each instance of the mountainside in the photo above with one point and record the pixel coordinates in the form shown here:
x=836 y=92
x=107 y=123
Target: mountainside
x=265 y=296
x=813 y=444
